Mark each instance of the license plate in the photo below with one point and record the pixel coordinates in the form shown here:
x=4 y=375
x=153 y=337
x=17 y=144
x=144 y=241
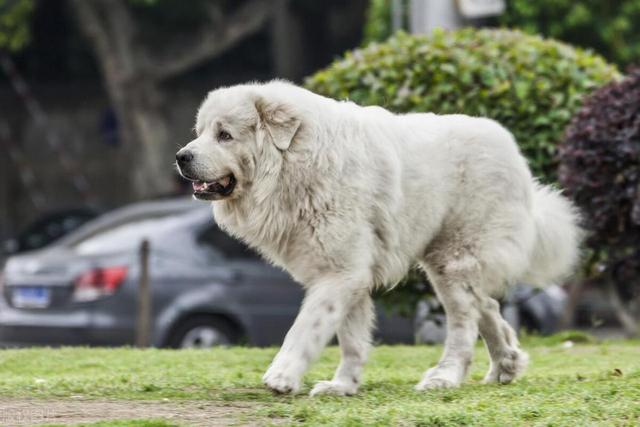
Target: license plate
x=31 y=297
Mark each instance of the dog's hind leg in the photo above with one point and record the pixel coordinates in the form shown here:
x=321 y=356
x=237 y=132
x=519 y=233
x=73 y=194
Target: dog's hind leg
x=354 y=336
x=454 y=281
x=507 y=360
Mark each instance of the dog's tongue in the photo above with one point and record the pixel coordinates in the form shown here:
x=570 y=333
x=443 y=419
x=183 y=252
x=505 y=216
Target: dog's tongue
x=218 y=185
x=199 y=185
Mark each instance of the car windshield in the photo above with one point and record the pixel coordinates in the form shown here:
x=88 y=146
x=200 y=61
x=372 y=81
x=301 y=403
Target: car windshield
x=126 y=236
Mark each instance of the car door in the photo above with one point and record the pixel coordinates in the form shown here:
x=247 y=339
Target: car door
x=267 y=297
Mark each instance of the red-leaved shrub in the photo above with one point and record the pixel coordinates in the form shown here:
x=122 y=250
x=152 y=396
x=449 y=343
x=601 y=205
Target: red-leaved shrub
x=600 y=169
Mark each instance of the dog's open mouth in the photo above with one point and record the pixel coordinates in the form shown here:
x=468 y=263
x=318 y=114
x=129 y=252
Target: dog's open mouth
x=214 y=190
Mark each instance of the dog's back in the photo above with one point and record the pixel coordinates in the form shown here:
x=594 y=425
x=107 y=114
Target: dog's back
x=465 y=183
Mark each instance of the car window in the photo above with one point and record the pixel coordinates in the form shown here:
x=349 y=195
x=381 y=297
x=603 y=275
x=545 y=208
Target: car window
x=126 y=236
x=46 y=232
x=214 y=239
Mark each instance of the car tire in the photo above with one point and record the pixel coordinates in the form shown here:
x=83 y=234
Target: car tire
x=203 y=332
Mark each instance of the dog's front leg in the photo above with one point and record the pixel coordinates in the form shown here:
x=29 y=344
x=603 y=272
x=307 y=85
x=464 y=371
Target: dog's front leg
x=323 y=310
x=354 y=336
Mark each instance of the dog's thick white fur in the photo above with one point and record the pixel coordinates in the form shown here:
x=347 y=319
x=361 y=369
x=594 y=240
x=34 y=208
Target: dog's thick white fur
x=348 y=198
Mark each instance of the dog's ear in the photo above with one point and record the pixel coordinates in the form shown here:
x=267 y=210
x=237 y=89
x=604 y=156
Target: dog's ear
x=278 y=121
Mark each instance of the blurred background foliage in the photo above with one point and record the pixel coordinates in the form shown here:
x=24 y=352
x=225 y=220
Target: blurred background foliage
x=378 y=26
x=611 y=28
x=531 y=85
x=14 y=19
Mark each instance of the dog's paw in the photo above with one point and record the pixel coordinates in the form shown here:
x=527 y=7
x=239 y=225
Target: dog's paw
x=281 y=382
x=439 y=378
x=336 y=388
x=434 y=383
x=508 y=368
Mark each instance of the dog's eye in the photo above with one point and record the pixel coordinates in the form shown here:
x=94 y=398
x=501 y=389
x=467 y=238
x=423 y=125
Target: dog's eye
x=224 y=136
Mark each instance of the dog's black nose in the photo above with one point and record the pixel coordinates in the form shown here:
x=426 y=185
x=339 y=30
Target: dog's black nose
x=184 y=156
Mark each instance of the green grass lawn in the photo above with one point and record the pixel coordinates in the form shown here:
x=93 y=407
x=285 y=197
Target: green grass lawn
x=587 y=384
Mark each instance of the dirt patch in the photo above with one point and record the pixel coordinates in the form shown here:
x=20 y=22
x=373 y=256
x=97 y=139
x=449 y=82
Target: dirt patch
x=30 y=412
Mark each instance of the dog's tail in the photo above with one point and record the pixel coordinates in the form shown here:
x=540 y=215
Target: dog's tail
x=558 y=237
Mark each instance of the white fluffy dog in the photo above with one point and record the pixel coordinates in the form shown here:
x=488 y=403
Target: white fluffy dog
x=348 y=198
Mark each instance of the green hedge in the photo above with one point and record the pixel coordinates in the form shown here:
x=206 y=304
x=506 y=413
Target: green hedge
x=531 y=85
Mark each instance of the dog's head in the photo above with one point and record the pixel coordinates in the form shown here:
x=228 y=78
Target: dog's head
x=240 y=131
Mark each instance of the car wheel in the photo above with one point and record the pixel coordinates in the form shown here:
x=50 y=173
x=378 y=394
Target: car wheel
x=203 y=332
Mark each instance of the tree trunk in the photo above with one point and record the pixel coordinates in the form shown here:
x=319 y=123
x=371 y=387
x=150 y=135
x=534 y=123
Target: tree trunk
x=134 y=93
x=289 y=48
x=573 y=295
x=133 y=73
x=625 y=317
x=149 y=154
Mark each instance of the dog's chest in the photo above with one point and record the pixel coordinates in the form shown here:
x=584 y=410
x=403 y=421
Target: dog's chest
x=286 y=238
x=268 y=233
